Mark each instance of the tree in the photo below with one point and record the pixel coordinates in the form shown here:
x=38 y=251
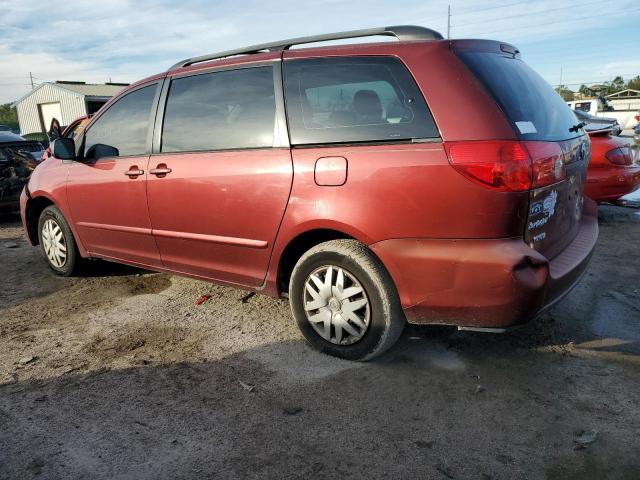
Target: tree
x=584 y=90
x=8 y=115
x=565 y=93
x=634 y=83
x=617 y=84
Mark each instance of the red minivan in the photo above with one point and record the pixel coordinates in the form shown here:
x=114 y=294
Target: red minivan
x=424 y=180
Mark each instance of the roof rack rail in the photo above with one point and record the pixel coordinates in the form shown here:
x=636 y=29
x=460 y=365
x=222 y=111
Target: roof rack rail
x=401 y=32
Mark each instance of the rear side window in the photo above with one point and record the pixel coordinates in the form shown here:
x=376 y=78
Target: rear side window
x=536 y=111
x=124 y=126
x=354 y=99
x=585 y=106
x=219 y=111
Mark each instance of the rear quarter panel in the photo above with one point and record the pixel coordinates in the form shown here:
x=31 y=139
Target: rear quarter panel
x=395 y=191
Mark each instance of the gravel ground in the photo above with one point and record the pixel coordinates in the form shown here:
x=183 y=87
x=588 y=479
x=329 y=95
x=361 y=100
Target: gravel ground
x=117 y=374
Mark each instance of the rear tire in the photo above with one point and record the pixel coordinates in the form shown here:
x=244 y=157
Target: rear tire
x=57 y=243
x=344 y=301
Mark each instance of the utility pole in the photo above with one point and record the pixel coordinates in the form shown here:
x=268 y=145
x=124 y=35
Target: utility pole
x=560 y=86
x=448 y=22
x=31 y=78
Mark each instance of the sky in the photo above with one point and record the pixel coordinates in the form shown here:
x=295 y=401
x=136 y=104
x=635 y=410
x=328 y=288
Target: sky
x=125 y=40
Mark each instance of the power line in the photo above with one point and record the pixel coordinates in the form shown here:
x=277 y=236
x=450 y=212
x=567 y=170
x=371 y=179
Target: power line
x=628 y=75
x=578 y=71
x=575 y=19
x=528 y=14
x=555 y=57
x=567 y=57
x=494 y=8
x=589 y=82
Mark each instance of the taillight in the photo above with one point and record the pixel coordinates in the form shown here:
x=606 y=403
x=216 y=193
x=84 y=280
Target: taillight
x=508 y=166
x=547 y=163
x=620 y=156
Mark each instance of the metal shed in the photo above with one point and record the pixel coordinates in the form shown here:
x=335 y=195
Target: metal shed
x=63 y=100
x=628 y=99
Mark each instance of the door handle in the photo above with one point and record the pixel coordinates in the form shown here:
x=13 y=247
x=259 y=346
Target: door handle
x=161 y=170
x=134 y=172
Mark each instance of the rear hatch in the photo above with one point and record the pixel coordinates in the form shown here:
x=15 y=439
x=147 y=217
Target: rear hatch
x=547 y=128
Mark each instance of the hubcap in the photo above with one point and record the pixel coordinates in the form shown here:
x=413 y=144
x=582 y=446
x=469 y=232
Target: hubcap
x=53 y=243
x=336 y=305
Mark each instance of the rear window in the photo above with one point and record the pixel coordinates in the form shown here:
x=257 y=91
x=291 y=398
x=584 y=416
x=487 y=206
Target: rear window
x=354 y=99
x=536 y=111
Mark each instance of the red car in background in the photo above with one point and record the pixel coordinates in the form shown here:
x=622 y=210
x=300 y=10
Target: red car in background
x=612 y=172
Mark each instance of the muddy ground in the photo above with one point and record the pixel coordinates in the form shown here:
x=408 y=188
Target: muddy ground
x=117 y=374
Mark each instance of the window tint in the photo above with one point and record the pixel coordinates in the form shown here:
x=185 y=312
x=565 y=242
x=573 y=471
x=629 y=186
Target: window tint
x=343 y=100
x=124 y=125
x=534 y=108
x=220 y=110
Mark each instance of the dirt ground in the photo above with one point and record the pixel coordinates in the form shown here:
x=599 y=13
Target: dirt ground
x=117 y=374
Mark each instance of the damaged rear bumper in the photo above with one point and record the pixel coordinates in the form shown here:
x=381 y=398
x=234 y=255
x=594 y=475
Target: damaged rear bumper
x=489 y=283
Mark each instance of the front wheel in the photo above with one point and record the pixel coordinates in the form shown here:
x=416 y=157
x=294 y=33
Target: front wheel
x=57 y=242
x=344 y=301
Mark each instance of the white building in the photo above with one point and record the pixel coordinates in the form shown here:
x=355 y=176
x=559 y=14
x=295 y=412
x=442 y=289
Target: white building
x=628 y=99
x=65 y=101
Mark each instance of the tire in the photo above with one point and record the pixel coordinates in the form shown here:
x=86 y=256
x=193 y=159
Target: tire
x=52 y=225
x=376 y=305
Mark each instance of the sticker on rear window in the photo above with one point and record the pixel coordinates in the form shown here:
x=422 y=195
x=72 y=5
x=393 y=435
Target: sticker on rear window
x=526 y=127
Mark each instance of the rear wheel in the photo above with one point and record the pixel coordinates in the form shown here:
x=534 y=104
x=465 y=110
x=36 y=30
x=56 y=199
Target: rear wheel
x=57 y=242
x=344 y=301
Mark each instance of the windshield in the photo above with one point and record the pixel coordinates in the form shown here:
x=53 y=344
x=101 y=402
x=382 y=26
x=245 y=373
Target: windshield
x=536 y=111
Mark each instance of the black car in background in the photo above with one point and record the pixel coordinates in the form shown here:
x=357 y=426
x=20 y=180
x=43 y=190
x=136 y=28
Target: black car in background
x=18 y=158
x=607 y=122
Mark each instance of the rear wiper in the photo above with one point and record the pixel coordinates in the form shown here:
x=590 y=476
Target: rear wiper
x=577 y=126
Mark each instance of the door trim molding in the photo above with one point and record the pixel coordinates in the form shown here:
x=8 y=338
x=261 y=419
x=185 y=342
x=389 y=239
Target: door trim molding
x=115 y=228
x=199 y=237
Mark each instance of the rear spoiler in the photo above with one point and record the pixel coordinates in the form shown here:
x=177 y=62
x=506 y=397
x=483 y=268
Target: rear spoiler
x=600 y=132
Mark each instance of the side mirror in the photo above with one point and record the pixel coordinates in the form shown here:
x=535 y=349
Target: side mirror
x=100 y=150
x=63 y=148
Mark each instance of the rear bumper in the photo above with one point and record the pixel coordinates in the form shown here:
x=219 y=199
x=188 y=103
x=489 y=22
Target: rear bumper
x=609 y=184
x=493 y=283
